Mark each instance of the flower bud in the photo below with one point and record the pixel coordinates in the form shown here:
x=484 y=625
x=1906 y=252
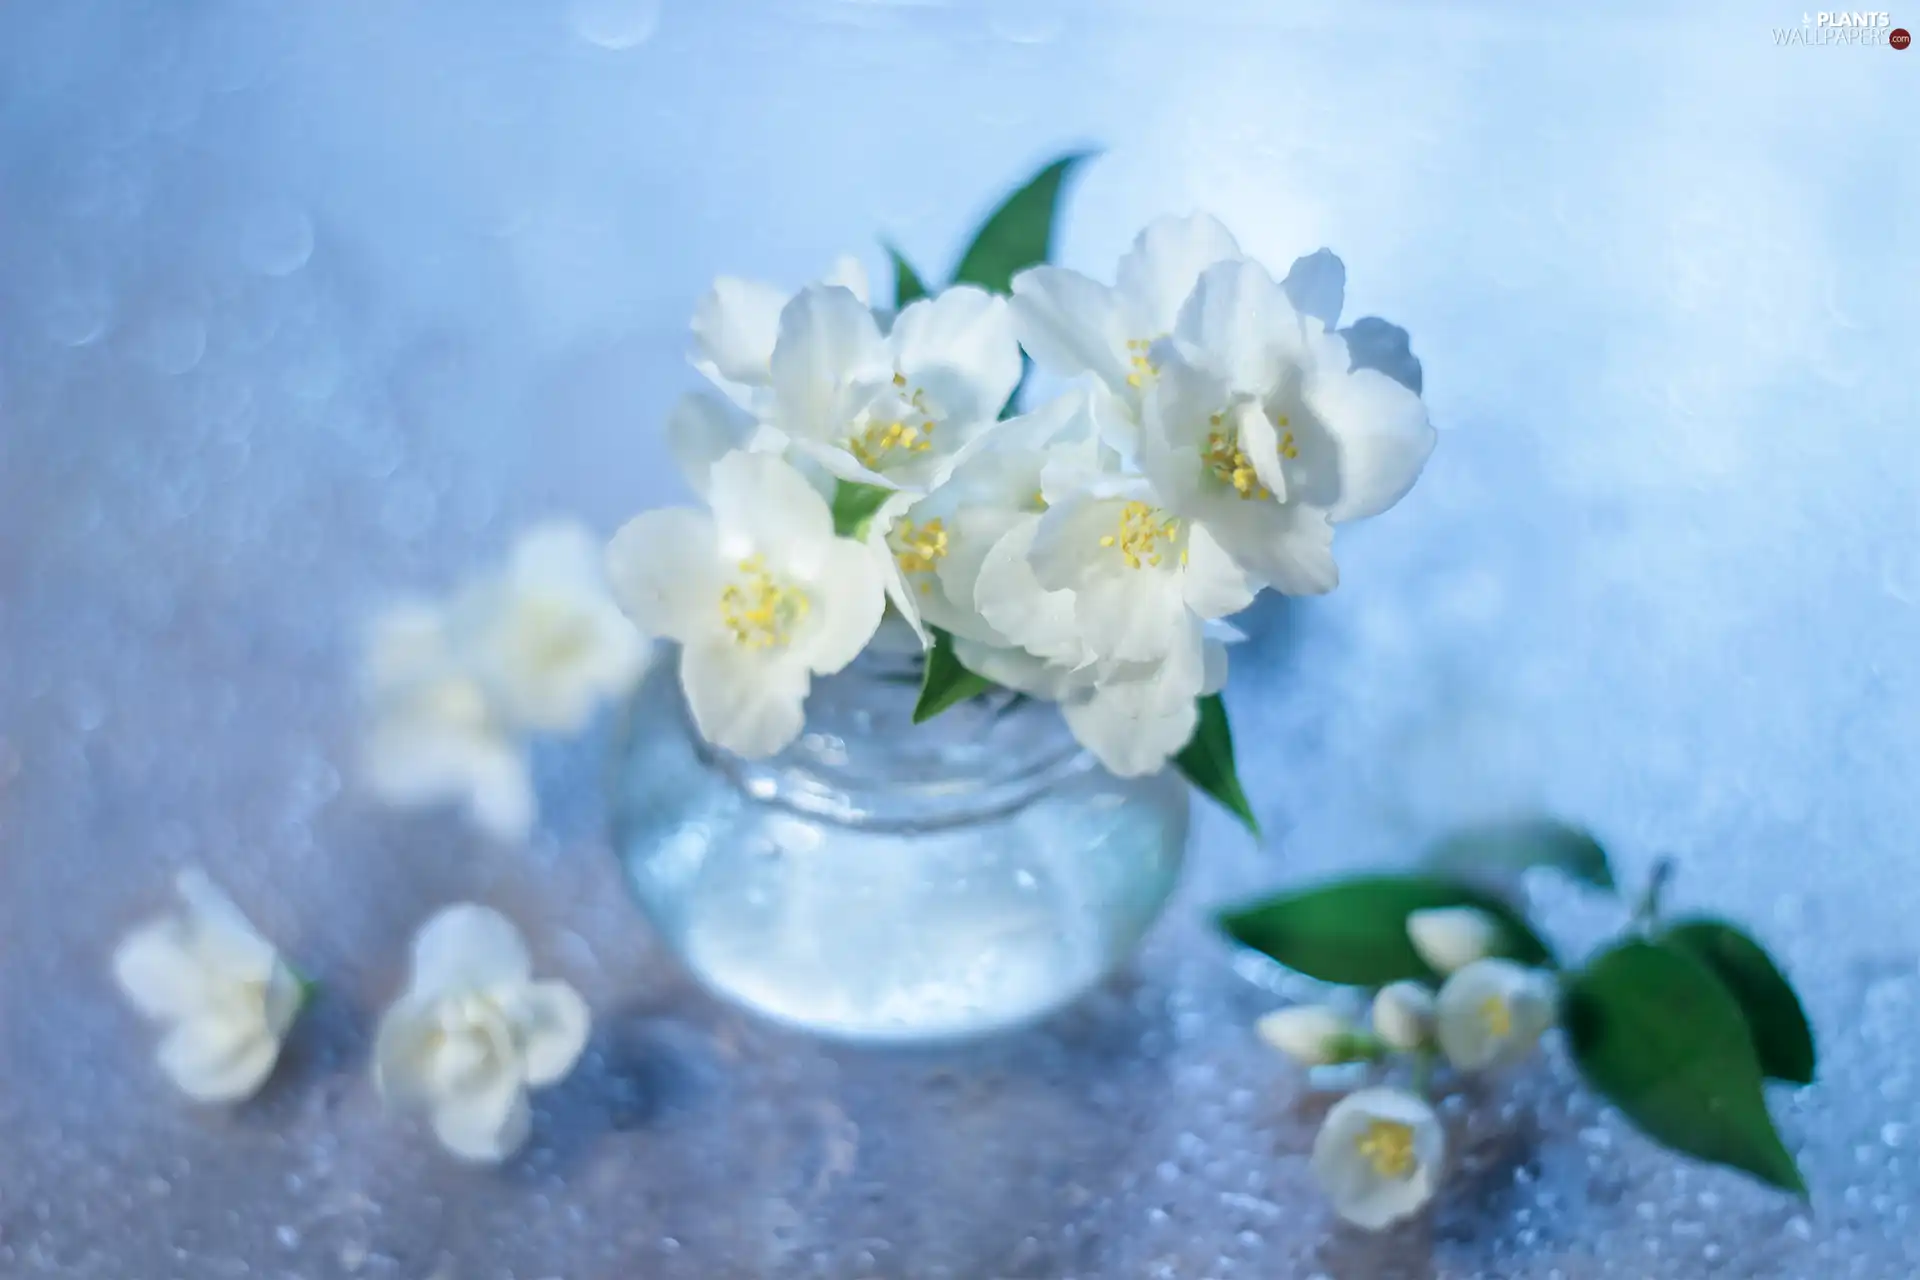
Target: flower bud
x=1450 y=938
x=1310 y=1034
x=1403 y=1016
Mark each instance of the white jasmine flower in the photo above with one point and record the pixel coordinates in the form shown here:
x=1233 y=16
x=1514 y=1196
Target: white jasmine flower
x=760 y=595
x=1403 y=1016
x=898 y=409
x=1310 y=1034
x=433 y=733
x=220 y=989
x=1259 y=428
x=1072 y=325
x=473 y=1033
x=1450 y=938
x=1378 y=1156
x=737 y=323
x=545 y=637
x=1492 y=1013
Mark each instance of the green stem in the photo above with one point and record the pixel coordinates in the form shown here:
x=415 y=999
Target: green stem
x=1423 y=1064
x=1646 y=912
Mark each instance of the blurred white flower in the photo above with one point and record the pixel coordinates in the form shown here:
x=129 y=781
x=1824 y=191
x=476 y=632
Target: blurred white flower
x=545 y=637
x=1450 y=938
x=1259 y=428
x=1403 y=1016
x=1310 y=1034
x=1378 y=1156
x=220 y=989
x=433 y=735
x=737 y=323
x=1492 y=1013
x=473 y=1033
x=759 y=593
x=1074 y=325
x=894 y=409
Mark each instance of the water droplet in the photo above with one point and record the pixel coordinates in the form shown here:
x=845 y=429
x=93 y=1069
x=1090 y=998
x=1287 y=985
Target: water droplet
x=613 y=24
x=77 y=312
x=172 y=342
x=276 y=238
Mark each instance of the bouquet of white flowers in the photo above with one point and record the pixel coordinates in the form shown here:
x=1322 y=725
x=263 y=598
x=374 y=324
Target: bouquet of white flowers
x=861 y=463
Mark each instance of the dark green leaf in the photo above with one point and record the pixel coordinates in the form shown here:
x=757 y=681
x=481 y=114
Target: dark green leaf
x=1655 y=1032
x=1207 y=761
x=1354 y=931
x=1781 y=1036
x=946 y=681
x=854 y=505
x=906 y=281
x=1521 y=843
x=1019 y=233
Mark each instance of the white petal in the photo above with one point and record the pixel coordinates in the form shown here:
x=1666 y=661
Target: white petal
x=1403 y=1016
x=828 y=341
x=1491 y=1014
x=849 y=598
x=467 y=947
x=1380 y=433
x=1019 y=670
x=159 y=972
x=1212 y=584
x=219 y=1059
x=734 y=329
x=1317 y=286
x=223 y=937
x=1357 y=1191
x=1305 y=1033
x=663 y=568
x=1013 y=602
x=743 y=700
x=762 y=506
x=1239 y=325
x=406 y=644
x=551 y=1024
x=701 y=430
x=850 y=274
x=402 y=1048
x=555 y=553
x=1287 y=546
x=1159 y=271
x=837 y=463
x=1213 y=677
x=959 y=347
x=1133 y=726
x=485 y=1125
x=1070 y=324
x=499 y=793
x=1450 y=938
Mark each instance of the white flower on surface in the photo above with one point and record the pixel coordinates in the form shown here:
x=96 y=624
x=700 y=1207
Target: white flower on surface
x=894 y=409
x=1403 y=1016
x=1259 y=428
x=737 y=323
x=1451 y=938
x=434 y=735
x=1073 y=325
x=760 y=595
x=1310 y=1034
x=1492 y=1013
x=545 y=637
x=1378 y=1156
x=473 y=1033
x=221 y=990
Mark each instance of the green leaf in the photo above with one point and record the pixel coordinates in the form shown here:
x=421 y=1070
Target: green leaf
x=1354 y=931
x=945 y=681
x=1019 y=233
x=854 y=505
x=1207 y=761
x=906 y=281
x=1518 y=844
x=1654 y=1031
x=1781 y=1037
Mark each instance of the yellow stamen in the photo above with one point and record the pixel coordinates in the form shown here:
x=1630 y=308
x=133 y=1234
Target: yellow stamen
x=1140 y=535
x=1140 y=362
x=1230 y=465
x=882 y=438
x=1288 y=449
x=760 y=612
x=1497 y=1018
x=918 y=547
x=1388 y=1147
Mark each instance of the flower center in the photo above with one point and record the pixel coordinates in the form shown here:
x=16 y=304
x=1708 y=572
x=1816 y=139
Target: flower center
x=1387 y=1145
x=1142 y=538
x=1140 y=364
x=552 y=636
x=903 y=426
x=1496 y=1017
x=918 y=547
x=760 y=612
x=1229 y=463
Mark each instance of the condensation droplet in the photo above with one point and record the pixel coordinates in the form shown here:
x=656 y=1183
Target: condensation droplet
x=613 y=24
x=276 y=238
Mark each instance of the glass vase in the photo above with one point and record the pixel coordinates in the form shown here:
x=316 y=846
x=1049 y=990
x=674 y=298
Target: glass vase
x=883 y=881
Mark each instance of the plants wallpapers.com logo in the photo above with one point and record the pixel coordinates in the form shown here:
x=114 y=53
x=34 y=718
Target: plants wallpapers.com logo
x=1844 y=28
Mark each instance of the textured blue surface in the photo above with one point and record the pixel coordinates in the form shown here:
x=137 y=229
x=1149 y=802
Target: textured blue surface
x=304 y=303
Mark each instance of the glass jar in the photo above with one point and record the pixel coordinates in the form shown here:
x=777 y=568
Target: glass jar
x=883 y=881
